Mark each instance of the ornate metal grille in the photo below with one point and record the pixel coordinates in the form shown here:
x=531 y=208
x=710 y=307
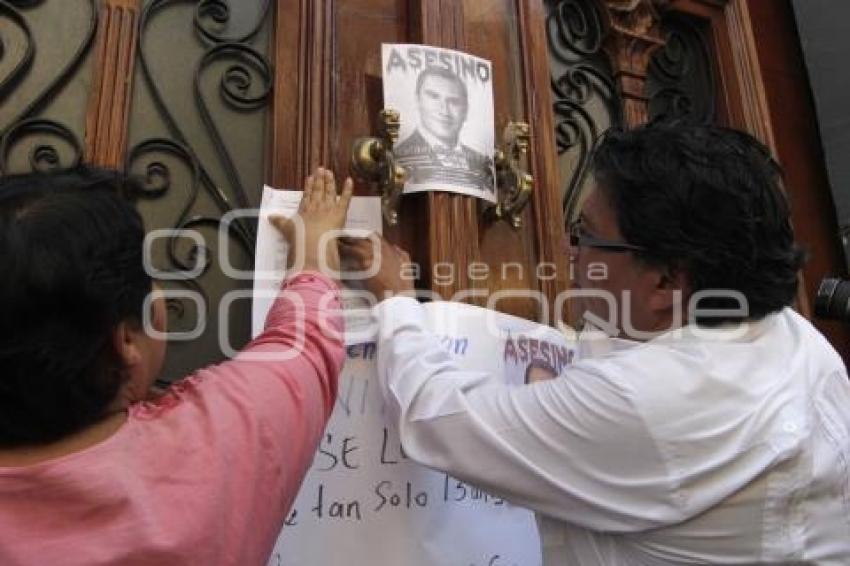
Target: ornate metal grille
x=586 y=102
x=197 y=137
x=44 y=55
x=681 y=82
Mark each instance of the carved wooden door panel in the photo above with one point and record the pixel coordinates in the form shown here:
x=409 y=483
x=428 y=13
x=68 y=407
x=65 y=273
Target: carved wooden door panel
x=328 y=92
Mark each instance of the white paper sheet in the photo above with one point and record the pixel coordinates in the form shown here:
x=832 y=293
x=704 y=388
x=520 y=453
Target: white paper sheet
x=364 y=215
x=364 y=503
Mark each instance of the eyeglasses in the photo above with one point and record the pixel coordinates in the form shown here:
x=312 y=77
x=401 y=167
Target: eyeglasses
x=580 y=238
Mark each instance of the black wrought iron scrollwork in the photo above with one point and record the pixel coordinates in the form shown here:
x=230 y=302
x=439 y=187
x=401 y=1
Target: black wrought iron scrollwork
x=42 y=157
x=11 y=9
x=9 y=82
x=146 y=161
x=681 y=83
x=575 y=26
x=228 y=75
x=235 y=87
x=218 y=12
x=582 y=85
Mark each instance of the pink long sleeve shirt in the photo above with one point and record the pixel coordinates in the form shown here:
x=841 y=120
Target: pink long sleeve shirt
x=204 y=475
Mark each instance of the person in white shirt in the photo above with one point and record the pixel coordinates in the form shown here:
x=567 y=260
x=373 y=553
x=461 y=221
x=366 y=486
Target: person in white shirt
x=720 y=438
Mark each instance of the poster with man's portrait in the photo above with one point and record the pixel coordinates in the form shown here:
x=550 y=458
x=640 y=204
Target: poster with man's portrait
x=445 y=99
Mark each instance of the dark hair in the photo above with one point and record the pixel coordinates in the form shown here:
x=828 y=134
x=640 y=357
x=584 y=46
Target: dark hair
x=705 y=201
x=71 y=259
x=443 y=73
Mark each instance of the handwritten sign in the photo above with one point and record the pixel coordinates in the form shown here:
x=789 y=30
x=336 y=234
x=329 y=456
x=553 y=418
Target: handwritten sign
x=365 y=502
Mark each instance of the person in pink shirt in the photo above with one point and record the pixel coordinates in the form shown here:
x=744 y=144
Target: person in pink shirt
x=92 y=470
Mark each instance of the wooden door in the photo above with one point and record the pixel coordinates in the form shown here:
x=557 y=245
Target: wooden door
x=328 y=91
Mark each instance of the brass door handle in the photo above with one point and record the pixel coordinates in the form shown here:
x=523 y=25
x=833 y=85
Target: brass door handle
x=373 y=162
x=513 y=182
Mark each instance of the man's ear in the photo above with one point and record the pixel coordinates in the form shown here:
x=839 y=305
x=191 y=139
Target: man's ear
x=670 y=289
x=125 y=340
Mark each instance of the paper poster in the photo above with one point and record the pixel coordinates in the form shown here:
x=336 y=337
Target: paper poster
x=445 y=99
x=364 y=216
x=363 y=502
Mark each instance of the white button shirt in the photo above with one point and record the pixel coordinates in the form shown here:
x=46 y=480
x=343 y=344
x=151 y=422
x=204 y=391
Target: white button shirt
x=682 y=450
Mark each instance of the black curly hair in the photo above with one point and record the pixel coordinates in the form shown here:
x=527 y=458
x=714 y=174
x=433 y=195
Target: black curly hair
x=705 y=201
x=71 y=260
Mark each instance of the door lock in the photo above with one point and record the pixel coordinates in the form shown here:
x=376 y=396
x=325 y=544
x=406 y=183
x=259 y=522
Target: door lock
x=513 y=182
x=372 y=161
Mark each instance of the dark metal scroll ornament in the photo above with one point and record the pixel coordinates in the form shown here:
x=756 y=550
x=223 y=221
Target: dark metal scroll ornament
x=210 y=23
x=11 y=8
x=8 y=83
x=681 y=82
x=212 y=17
x=581 y=78
x=156 y=183
x=43 y=156
x=235 y=88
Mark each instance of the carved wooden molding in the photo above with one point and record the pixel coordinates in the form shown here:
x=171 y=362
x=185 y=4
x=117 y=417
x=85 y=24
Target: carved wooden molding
x=633 y=35
x=111 y=93
x=452 y=218
x=756 y=113
x=301 y=105
x=546 y=206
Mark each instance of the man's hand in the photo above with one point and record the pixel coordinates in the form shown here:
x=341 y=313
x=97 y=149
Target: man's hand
x=391 y=261
x=320 y=211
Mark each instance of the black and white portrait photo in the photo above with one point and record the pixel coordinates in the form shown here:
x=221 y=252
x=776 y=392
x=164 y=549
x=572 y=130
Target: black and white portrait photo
x=445 y=99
